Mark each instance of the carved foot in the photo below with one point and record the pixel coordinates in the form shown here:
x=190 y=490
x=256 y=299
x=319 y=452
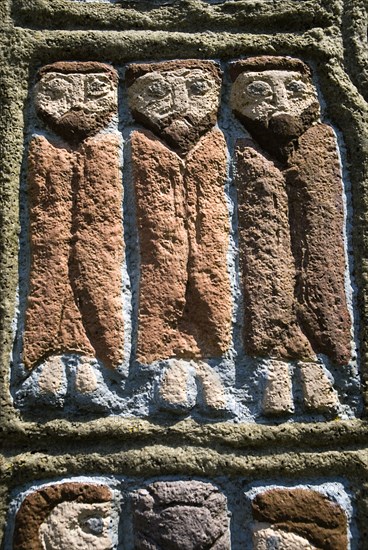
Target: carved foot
x=52 y=375
x=186 y=384
x=85 y=378
x=177 y=389
x=319 y=394
x=278 y=398
x=213 y=394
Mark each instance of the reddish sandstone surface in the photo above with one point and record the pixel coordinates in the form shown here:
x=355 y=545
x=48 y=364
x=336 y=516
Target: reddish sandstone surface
x=74 y=302
x=97 y=247
x=267 y=264
x=316 y=217
x=53 y=321
x=208 y=297
x=185 y=300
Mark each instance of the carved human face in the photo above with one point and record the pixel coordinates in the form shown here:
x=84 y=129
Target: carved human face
x=75 y=104
x=77 y=525
x=179 y=105
x=264 y=95
x=275 y=106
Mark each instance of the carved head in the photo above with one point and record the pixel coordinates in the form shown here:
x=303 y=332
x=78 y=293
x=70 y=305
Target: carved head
x=274 y=98
x=65 y=516
x=76 y=99
x=298 y=518
x=178 y=100
x=179 y=515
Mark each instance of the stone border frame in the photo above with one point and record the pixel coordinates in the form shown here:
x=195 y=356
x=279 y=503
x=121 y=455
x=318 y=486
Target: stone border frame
x=25 y=50
x=355 y=31
x=170 y=15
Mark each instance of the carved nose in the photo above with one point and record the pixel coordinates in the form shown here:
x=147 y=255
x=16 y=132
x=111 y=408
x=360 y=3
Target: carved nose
x=282 y=100
x=180 y=100
x=78 y=106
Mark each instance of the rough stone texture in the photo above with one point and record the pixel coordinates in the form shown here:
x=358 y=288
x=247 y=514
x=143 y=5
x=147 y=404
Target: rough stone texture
x=76 y=99
x=74 y=302
x=277 y=397
x=279 y=112
x=175 y=16
x=306 y=513
x=40 y=509
x=318 y=392
x=266 y=261
x=263 y=95
x=164 y=247
x=264 y=538
x=183 y=236
x=208 y=305
x=317 y=218
x=53 y=321
x=77 y=525
x=177 y=100
x=97 y=246
x=311 y=30
x=191 y=515
x=355 y=19
x=268 y=63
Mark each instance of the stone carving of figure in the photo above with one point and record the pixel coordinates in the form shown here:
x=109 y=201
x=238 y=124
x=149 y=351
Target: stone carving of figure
x=298 y=518
x=75 y=197
x=179 y=172
x=290 y=230
x=64 y=516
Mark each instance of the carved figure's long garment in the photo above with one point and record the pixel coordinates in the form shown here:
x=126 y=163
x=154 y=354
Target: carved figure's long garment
x=184 y=294
x=266 y=260
x=292 y=252
x=317 y=218
x=74 y=301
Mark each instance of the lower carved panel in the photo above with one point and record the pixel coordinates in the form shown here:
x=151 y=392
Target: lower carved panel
x=181 y=514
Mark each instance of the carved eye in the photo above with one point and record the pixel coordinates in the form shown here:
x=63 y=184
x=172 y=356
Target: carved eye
x=296 y=87
x=199 y=87
x=158 y=90
x=93 y=524
x=55 y=89
x=96 y=88
x=259 y=89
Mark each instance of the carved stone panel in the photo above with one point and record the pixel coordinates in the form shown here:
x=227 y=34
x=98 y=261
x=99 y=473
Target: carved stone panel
x=206 y=288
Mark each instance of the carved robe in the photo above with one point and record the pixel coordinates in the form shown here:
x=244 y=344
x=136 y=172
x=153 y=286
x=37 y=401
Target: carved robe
x=292 y=252
x=74 y=300
x=183 y=228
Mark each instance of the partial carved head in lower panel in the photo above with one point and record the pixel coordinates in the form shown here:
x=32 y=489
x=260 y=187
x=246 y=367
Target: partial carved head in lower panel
x=65 y=516
x=179 y=515
x=298 y=518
